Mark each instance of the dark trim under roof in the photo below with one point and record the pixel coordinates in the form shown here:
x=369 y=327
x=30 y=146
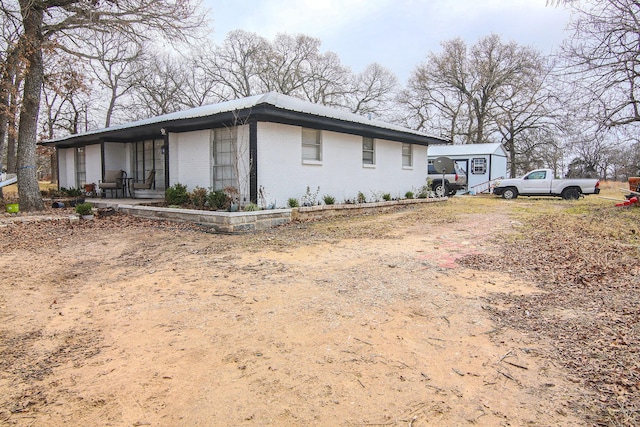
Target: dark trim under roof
x=263 y=112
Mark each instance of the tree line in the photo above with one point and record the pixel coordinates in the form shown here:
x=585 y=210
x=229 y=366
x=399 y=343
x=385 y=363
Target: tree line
x=68 y=66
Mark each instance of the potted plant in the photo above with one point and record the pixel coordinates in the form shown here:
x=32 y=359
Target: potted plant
x=85 y=210
x=234 y=196
x=11 y=204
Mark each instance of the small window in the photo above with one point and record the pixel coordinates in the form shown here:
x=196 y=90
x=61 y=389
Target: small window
x=368 y=152
x=407 y=155
x=81 y=167
x=311 y=144
x=479 y=166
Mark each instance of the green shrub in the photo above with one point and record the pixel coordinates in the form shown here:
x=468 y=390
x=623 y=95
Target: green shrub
x=251 y=207
x=198 y=197
x=386 y=197
x=361 y=197
x=328 y=200
x=69 y=192
x=309 y=198
x=408 y=195
x=218 y=200
x=176 y=195
x=424 y=192
x=293 y=202
x=84 y=209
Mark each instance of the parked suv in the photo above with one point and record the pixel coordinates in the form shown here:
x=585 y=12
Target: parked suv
x=452 y=181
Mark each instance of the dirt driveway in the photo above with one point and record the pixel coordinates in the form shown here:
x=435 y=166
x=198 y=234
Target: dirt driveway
x=360 y=321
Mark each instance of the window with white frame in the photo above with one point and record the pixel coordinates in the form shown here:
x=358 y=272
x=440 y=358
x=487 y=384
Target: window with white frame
x=311 y=144
x=407 y=155
x=225 y=161
x=368 y=151
x=479 y=166
x=81 y=167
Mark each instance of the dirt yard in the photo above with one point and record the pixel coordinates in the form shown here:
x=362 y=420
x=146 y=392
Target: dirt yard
x=364 y=321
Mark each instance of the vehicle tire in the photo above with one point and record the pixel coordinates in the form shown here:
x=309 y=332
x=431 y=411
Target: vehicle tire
x=571 y=193
x=452 y=192
x=510 y=193
x=439 y=188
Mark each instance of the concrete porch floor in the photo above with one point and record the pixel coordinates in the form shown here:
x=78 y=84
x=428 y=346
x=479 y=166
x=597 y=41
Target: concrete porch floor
x=115 y=203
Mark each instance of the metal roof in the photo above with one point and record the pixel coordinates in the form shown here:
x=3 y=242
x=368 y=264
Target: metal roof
x=467 y=150
x=269 y=107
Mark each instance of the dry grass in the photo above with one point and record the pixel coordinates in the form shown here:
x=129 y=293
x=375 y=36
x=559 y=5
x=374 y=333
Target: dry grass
x=584 y=256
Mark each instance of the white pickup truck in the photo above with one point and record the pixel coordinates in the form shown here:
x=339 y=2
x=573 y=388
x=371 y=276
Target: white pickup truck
x=540 y=182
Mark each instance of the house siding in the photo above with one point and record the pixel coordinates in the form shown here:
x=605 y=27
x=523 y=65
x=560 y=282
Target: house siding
x=190 y=159
x=341 y=174
x=93 y=161
x=66 y=167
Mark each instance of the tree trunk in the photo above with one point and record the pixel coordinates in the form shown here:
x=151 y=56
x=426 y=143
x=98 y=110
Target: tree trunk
x=28 y=189
x=54 y=166
x=12 y=131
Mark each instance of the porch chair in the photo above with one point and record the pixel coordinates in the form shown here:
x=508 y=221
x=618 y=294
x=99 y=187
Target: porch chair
x=147 y=184
x=113 y=180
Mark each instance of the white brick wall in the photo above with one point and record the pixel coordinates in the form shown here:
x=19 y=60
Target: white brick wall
x=66 y=167
x=93 y=162
x=281 y=171
x=190 y=159
x=341 y=174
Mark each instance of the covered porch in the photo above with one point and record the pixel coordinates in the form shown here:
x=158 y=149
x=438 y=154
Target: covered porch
x=130 y=170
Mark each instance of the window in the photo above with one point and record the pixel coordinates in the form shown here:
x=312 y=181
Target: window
x=147 y=156
x=81 y=168
x=311 y=144
x=537 y=175
x=224 y=158
x=479 y=166
x=407 y=155
x=368 y=152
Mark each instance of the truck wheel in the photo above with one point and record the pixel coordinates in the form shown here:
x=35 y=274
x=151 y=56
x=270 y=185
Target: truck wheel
x=510 y=193
x=571 y=194
x=439 y=189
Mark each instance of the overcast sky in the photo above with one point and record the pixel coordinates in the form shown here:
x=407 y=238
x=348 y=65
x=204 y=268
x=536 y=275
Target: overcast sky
x=398 y=34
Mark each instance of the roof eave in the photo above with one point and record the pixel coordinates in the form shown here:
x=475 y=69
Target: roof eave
x=262 y=112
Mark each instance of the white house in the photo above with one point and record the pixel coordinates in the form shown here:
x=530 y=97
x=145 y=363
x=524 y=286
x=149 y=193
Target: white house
x=484 y=163
x=270 y=147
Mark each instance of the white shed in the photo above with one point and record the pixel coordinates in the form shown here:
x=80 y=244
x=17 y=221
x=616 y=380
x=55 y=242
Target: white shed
x=484 y=163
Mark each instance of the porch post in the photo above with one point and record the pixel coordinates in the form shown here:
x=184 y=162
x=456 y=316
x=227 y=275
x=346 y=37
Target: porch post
x=102 y=159
x=253 y=161
x=165 y=146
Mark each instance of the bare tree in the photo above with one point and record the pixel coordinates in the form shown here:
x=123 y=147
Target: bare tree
x=329 y=82
x=64 y=97
x=432 y=104
x=237 y=65
x=10 y=81
x=603 y=55
x=484 y=93
x=113 y=59
x=159 y=90
x=525 y=105
x=372 y=91
x=288 y=63
x=50 y=25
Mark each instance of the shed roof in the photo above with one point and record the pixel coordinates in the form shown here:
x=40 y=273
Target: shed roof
x=467 y=150
x=270 y=107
